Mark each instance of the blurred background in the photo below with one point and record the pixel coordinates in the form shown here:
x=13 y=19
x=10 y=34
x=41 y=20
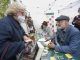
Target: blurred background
x=45 y=10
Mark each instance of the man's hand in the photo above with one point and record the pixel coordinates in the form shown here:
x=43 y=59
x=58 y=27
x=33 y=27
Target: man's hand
x=51 y=45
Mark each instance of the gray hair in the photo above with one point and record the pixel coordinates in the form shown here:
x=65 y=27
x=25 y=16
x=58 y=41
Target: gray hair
x=14 y=8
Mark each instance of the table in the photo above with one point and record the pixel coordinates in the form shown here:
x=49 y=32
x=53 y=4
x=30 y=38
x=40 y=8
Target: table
x=52 y=54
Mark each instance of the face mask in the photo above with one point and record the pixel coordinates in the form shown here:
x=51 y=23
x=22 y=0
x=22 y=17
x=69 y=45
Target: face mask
x=21 y=18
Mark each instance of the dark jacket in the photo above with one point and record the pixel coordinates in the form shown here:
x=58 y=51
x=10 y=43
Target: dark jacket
x=69 y=42
x=11 y=32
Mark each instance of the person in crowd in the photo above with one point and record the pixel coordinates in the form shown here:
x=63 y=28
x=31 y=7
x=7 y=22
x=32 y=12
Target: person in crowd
x=12 y=40
x=76 y=20
x=30 y=25
x=67 y=36
x=45 y=30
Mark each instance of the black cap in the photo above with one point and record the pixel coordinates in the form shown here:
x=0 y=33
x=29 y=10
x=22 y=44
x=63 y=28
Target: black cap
x=77 y=17
x=62 y=17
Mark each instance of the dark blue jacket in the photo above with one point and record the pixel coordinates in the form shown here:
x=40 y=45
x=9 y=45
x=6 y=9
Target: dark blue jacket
x=70 y=42
x=11 y=32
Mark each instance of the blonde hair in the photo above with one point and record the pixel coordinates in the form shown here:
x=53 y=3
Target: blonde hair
x=14 y=8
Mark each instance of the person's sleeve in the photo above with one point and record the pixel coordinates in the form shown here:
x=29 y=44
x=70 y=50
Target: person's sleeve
x=14 y=47
x=73 y=46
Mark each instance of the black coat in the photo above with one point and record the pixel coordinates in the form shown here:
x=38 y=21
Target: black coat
x=11 y=32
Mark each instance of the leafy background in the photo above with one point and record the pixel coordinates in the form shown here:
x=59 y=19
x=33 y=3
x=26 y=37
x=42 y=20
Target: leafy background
x=3 y=7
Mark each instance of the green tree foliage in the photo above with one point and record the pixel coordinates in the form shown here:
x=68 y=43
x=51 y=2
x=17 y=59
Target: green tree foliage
x=3 y=6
